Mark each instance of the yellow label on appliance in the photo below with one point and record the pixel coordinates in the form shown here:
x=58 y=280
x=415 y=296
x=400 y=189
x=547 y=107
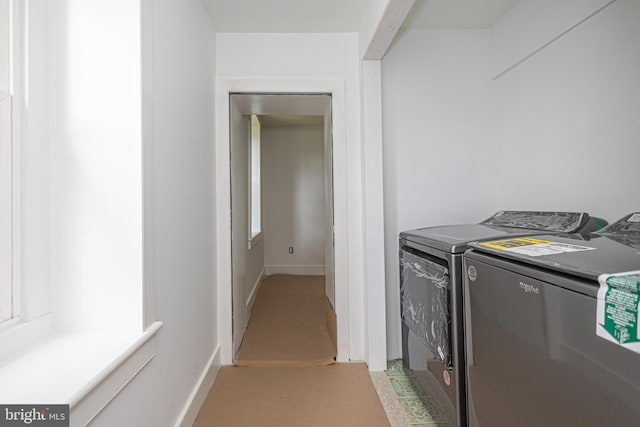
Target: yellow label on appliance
x=514 y=243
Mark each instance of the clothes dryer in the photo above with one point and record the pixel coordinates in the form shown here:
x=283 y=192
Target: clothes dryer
x=552 y=335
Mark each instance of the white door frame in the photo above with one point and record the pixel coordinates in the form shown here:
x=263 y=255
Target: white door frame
x=225 y=87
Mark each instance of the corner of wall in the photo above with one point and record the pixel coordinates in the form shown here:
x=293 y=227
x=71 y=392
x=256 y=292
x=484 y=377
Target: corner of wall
x=199 y=394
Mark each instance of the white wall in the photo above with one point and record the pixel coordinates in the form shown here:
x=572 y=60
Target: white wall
x=520 y=116
x=437 y=136
x=531 y=24
x=293 y=199
x=95 y=158
x=182 y=124
x=568 y=116
x=314 y=56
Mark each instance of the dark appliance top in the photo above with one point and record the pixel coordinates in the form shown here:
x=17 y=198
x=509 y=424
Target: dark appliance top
x=503 y=224
x=615 y=249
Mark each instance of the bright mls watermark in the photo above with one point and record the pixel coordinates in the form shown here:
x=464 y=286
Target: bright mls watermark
x=34 y=415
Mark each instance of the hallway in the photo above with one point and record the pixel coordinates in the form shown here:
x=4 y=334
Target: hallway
x=291 y=324
x=285 y=373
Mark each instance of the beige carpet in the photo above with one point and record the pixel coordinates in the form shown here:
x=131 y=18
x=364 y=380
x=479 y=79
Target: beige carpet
x=291 y=324
x=336 y=395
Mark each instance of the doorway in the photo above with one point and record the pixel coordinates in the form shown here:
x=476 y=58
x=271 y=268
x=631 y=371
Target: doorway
x=225 y=87
x=281 y=194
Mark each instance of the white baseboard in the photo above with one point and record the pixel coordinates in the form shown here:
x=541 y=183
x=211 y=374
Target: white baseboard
x=295 y=270
x=200 y=392
x=254 y=292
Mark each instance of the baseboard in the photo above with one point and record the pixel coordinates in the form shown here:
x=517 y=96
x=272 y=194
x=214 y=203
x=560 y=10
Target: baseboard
x=254 y=292
x=200 y=392
x=295 y=270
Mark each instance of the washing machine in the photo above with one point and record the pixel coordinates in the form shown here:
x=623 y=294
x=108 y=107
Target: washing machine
x=431 y=296
x=552 y=335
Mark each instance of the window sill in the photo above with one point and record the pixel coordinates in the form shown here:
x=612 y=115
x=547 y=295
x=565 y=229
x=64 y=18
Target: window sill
x=17 y=335
x=84 y=370
x=255 y=240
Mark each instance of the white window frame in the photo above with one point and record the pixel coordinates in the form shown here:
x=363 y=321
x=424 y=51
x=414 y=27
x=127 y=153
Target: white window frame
x=9 y=155
x=254 y=184
x=34 y=359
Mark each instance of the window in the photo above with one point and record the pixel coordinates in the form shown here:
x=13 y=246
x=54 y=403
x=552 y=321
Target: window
x=70 y=226
x=255 y=220
x=5 y=45
x=8 y=295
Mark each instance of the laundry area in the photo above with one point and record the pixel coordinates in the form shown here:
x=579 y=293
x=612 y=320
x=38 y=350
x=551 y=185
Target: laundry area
x=433 y=294
x=528 y=319
x=511 y=254
x=320 y=212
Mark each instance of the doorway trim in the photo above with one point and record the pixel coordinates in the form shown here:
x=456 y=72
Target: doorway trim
x=224 y=88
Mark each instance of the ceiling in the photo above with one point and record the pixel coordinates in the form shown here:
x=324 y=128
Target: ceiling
x=331 y=16
x=285 y=16
x=288 y=120
x=427 y=14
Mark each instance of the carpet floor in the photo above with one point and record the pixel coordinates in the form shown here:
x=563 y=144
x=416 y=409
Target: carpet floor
x=290 y=324
x=336 y=395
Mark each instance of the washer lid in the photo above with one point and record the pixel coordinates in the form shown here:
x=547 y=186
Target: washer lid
x=503 y=224
x=626 y=230
x=455 y=238
x=582 y=256
x=556 y=222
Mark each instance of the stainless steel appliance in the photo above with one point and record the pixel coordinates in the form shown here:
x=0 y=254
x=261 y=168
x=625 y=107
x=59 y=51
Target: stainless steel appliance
x=552 y=334
x=431 y=295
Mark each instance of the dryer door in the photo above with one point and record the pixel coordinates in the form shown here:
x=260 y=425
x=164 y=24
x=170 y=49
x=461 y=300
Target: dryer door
x=424 y=299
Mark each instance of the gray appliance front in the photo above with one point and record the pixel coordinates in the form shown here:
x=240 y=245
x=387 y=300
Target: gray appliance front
x=533 y=356
x=431 y=312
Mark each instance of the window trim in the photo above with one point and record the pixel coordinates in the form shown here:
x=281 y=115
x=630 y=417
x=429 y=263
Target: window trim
x=9 y=48
x=12 y=190
x=7 y=281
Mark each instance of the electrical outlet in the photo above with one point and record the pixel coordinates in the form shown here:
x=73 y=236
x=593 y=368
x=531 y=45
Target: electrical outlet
x=290 y=249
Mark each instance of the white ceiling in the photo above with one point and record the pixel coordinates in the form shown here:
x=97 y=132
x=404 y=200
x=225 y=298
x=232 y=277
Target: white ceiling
x=457 y=13
x=285 y=16
x=328 y=16
x=288 y=120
